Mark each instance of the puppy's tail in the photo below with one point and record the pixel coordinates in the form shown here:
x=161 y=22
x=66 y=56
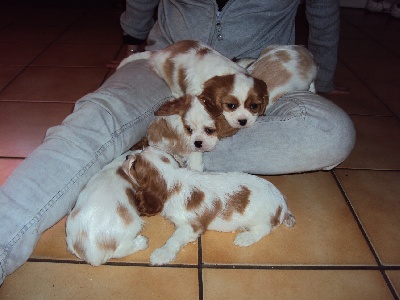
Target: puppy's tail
x=135 y=56
x=288 y=219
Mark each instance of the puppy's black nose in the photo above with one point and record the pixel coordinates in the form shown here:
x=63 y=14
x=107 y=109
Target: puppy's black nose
x=198 y=144
x=242 y=122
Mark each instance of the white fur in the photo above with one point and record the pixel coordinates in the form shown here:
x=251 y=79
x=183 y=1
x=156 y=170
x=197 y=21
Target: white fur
x=200 y=63
x=261 y=203
x=268 y=67
x=103 y=218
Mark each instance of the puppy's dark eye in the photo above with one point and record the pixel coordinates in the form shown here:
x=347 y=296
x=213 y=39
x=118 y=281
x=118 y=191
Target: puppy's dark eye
x=254 y=106
x=209 y=131
x=189 y=130
x=231 y=106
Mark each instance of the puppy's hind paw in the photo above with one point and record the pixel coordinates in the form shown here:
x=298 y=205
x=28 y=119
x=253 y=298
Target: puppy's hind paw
x=161 y=256
x=140 y=243
x=245 y=239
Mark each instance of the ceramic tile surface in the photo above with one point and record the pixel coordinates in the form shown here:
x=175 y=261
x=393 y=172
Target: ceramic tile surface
x=345 y=242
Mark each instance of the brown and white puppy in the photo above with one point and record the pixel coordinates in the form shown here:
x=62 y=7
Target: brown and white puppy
x=284 y=68
x=186 y=127
x=196 y=202
x=190 y=67
x=104 y=224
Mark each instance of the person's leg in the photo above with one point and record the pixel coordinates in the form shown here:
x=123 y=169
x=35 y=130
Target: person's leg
x=45 y=186
x=301 y=132
x=324 y=29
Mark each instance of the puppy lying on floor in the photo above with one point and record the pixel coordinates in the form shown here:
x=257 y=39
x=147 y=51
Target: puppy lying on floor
x=104 y=223
x=195 y=201
x=284 y=68
x=192 y=68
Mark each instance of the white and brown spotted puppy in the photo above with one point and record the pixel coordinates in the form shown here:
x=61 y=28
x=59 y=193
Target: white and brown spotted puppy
x=196 y=201
x=190 y=67
x=186 y=127
x=284 y=68
x=104 y=223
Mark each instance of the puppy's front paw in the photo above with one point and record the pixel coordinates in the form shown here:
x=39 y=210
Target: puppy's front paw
x=245 y=239
x=140 y=243
x=161 y=256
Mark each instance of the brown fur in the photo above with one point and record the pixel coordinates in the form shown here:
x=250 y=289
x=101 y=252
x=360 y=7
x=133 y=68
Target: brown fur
x=218 y=89
x=208 y=215
x=108 y=244
x=237 y=202
x=124 y=214
x=195 y=199
x=275 y=219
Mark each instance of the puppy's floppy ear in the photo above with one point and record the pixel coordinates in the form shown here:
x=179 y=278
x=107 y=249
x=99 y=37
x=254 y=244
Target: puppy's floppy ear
x=173 y=107
x=223 y=128
x=148 y=203
x=211 y=107
x=262 y=91
x=127 y=165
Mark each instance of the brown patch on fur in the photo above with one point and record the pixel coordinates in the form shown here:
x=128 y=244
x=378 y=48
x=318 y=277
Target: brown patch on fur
x=124 y=214
x=160 y=131
x=237 y=202
x=182 y=81
x=195 y=199
x=217 y=90
x=169 y=69
x=257 y=97
x=273 y=73
x=165 y=159
x=306 y=61
x=223 y=128
x=209 y=214
x=78 y=245
x=107 y=244
x=275 y=219
x=177 y=106
x=203 y=51
x=152 y=192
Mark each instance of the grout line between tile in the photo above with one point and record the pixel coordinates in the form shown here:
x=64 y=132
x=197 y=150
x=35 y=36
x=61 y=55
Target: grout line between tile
x=365 y=235
x=200 y=267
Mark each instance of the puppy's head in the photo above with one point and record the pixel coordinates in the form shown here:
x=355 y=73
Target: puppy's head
x=239 y=97
x=152 y=192
x=198 y=118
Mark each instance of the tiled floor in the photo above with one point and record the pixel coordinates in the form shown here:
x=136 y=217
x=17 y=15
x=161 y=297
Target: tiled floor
x=346 y=242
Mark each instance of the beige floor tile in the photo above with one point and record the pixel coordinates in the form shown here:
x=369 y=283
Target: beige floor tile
x=375 y=198
x=52 y=244
x=377 y=144
x=77 y=281
x=23 y=125
x=54 y=84
x=293 y=284
x=6 y=168
x=325 y=232
x=77 y=54
x=394 y=277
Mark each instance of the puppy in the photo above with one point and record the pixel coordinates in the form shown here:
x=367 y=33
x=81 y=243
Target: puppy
x=283 y=69
x=186 y=127
x=104 y=224
x=195 y=202
x=190 y=67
